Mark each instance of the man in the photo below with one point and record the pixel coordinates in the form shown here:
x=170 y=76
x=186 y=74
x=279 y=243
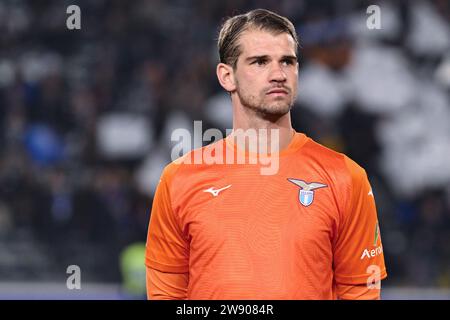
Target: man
x=226 y=231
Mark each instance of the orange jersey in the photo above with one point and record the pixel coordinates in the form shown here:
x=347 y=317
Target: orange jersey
x=242 y=235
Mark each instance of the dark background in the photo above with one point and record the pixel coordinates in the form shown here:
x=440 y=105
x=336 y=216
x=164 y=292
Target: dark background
x=86 y=118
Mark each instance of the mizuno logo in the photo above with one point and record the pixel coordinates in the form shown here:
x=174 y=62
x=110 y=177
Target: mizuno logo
x=306 y=193
x=215 y=192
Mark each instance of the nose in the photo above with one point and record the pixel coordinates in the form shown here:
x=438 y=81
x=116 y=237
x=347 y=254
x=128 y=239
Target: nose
x=277 y=73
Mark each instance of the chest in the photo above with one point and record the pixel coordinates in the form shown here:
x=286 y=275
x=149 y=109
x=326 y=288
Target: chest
x=263 y=212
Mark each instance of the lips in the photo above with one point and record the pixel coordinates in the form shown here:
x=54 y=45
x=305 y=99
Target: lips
x=277 y=91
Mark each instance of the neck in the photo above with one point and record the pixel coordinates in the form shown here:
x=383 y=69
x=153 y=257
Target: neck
x=271 y=133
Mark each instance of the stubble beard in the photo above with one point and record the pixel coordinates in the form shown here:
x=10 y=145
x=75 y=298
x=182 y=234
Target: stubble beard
x=269 y=110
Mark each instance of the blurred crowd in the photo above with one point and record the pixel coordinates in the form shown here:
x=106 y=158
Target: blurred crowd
x=86 y=120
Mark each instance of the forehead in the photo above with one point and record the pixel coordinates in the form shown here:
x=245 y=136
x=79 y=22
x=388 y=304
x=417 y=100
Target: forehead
x=261 y=42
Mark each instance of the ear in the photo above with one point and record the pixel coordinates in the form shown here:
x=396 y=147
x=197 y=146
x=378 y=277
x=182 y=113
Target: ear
x=225 y=74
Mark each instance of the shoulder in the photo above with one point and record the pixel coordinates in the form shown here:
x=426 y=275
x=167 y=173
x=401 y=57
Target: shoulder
x=190 y=166
x=333 y=161
x=317 y=150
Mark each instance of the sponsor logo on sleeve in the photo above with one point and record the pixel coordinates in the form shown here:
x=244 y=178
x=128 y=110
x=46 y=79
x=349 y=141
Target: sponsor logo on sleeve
x=369 y=254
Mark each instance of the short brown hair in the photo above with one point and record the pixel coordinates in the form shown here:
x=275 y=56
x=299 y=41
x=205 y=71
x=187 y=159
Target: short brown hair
x=261 y=19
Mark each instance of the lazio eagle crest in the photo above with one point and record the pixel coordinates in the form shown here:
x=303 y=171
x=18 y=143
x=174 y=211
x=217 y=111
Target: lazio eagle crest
x=306 y=192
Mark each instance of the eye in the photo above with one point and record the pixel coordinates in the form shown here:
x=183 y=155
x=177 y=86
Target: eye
x=260 y=62
x=288 y=62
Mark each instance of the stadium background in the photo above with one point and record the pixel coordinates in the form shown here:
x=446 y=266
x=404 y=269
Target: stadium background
x=86 y=118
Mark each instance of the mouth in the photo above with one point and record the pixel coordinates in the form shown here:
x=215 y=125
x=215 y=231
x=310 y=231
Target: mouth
x=277 y=92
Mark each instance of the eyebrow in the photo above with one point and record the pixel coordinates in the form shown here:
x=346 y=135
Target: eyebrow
x=289 y=57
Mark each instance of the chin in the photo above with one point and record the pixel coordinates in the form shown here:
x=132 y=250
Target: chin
x=276 y=109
